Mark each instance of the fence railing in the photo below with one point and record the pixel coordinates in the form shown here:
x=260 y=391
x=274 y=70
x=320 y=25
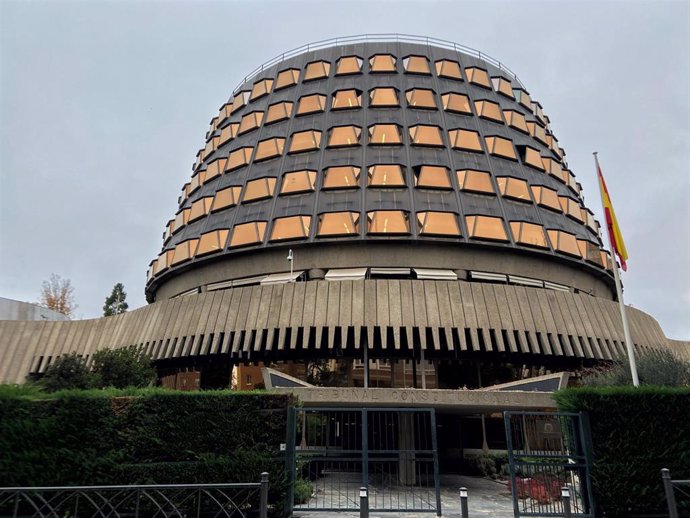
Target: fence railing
x=374 y=38
x=248 y=500
x=673 y=487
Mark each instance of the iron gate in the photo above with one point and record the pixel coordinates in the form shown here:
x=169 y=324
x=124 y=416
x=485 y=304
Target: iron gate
x=391 y=451
x=546 y=452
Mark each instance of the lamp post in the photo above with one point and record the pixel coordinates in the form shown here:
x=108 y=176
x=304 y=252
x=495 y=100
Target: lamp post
x=290 y=258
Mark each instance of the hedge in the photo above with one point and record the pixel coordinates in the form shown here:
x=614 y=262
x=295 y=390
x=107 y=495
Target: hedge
x=635 y=433
x=159 y=436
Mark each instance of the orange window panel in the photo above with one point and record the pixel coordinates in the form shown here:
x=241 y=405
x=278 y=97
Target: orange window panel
x=385 y=135
x=546 y=197
x=228 y=133
x=513 y=188
x=238 y=158
x=344 y=136
x=164 y=260
x=478 y=76
x=537 y=132
x=278 y=112
x=240 y=101
x=433 y=223
x=197 y=181
x=465 y=140
x=386 y=175
x=475 y=181
x=503 y=86
x=346 y=100
x=456 y=103
x=590 y=252
x=589 y=220
x=421 y=98
x=488 y=110
x=523 y=98
x=383 y=98
x=433 y=177
x=291 y=227
x=184 y=251
x=215 y=168
x=388 y=222
x=348 y=65
x=532 y=158
x=552 y=167
x=516 y=120
x=448 y=69
x=571 y=208
x=528 y=234
x=417 y=65
x=250 y=122
x=259 y=189
x=261 y=88
x=200 y=208
x=382 y=63
x=538 y=112
x=314 y=103
x=486 y=227
x=224 y=111
x=564 y=242
x=502 y=147
x=246 y=234
x=286 y=78
x=303 y=141
x=341 y=177
x=317 y=70
x=338 y=224
x=169 y=229
x=606 y=260
x=423 y=135
x=269 y=148
x=298 y=181
x=225 y=198
x=181 y=219
x=212 y=242
x=211 y=146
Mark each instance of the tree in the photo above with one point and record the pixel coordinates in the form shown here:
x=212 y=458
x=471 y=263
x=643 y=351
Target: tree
x=655 y=367
x=115 y=303
x=58 y=294
x=123 y=367
x=68 y=371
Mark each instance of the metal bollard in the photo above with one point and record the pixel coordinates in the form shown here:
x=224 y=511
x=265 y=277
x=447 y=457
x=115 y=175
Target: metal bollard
x=263 y=506
x=363 y=502
x=668 y=490
x=464 y=510
x=565 y=496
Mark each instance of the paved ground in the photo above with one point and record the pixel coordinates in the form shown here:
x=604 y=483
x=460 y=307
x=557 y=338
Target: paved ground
x=486 y=499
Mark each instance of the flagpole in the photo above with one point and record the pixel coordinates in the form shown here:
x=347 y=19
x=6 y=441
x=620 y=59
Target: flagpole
x=619 y=291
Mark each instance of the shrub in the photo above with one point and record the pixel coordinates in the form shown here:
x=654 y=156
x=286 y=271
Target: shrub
x=489 y=465
x=656 y=367
x=123 y=367
x=68 y=371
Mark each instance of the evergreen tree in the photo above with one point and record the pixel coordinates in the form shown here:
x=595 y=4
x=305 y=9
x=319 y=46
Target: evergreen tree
x=115 y=303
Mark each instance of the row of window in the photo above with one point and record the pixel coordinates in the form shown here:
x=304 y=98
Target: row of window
x=381 y=222
x=388 y=176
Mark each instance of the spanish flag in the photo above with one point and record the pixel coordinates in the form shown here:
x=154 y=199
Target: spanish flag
x=615 y=236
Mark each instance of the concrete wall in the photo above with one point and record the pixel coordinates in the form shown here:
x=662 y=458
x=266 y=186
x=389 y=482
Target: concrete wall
x=17 y=310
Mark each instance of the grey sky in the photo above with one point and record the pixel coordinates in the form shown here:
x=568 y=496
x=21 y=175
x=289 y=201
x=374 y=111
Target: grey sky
x=103 y=106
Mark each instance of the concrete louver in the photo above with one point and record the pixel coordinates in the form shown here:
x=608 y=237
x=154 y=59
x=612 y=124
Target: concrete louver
x=394 y=315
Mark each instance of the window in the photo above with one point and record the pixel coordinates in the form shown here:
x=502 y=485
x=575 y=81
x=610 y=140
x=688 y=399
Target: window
x=250 y=122
x=200 y=208
x=538 y=112
x=486 y=227
x=571 y=181
x=298 y=181
x=478 y=76
x=537 y=132
x=278 y=112
x=422 y=135
x=197 y=181
x=516 y=120
x=448 y=69
x=261 y=88
x=181 y=219
x=239 y=157
x=169 y=229
x=286 y=78
x=311 y=104
x=605 y=259
x=465 y=140
x=590 y=251
x=456 y=103
x=588 y=218
x=344 y=136
x=348 y=65
x=546 y=197
x=416 y=65
x=212 y=242
x=338 y=224
x=341 y=177
x=421 y=98
x=528 y=234
x=269 y=148
x=388 y=222
x=531 y=157
x=386 y=175
x=211 y=146
x=513 y=188
x=225 y=111
x=523 y=98
x=215 y=168
x=552 y=167
x=564 y=242
x=239 y=101
x=381 y=63
x=292 y=227
x=225 y=198
x=475 y=181
x=259 y=189
x=503 y=86
x=164 y=260
x=432 y=177
x=317 y=70
x=383 y=98
x=571 y=208
x=438 y=224
x=184 y=251
x=228 y=133
x=246 y=234
x=346 y=100
x=499 y=146
x=305 y=141
x=488 y=110
x=385 y=135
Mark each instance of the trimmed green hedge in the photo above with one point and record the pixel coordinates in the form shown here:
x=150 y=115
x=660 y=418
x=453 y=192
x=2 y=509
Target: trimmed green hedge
x=635 y=433
x=142 y=436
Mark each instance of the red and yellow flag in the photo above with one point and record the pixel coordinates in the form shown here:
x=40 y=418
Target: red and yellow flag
x=617 y=244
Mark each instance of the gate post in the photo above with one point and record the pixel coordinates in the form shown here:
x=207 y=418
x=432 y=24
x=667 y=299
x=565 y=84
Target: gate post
x=511 y=460
x=437 y=475
x=565 y=496
x=263 y=506
x=586 y=438
x=363 y=503
x=365 y=447
x=668 y=489
x=290 y=458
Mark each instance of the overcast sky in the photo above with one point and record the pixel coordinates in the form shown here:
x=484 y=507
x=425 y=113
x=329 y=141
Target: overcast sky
x=103 y=106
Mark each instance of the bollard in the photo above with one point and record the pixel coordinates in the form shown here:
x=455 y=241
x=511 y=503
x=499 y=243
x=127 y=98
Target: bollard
x=363 y=503
x=263 y=505
x=668 y=490
x=464 y=510
x=565 y=495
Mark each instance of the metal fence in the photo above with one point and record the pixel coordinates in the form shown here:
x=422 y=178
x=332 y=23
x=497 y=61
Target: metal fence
x=548 y=452
x=391 y=452
x=673 y=488
x=145 y=501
